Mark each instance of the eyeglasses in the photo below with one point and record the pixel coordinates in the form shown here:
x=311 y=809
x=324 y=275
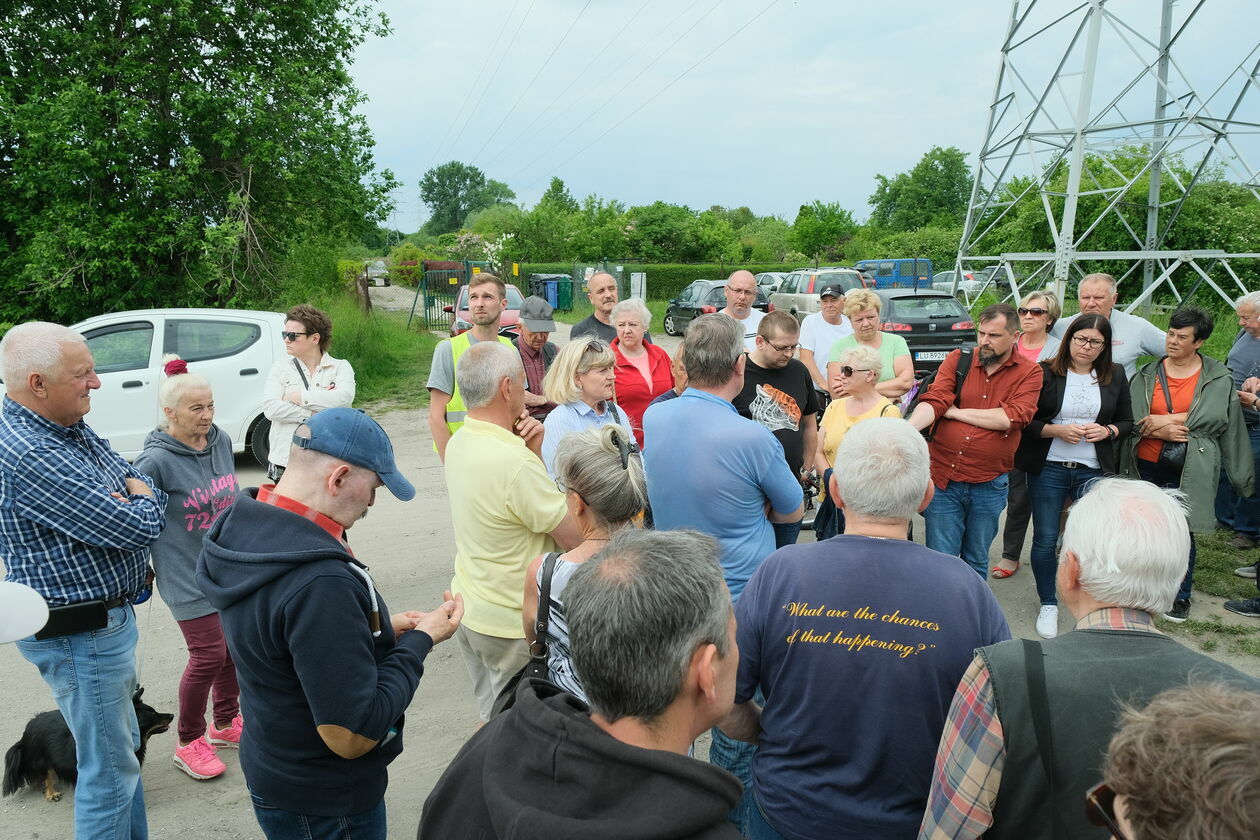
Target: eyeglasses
x=742 y=292
x=291 y=336
x=848 y=371
x=1085 y=341
x=787 y=348
x=1032 y=310
x=596 y=346
x=1100 y=809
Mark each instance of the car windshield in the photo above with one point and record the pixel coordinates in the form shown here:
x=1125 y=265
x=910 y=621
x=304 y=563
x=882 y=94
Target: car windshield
x=926 y=308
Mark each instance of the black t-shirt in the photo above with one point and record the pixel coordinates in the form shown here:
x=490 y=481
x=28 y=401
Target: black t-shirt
x=778 y=398
x=590 y=325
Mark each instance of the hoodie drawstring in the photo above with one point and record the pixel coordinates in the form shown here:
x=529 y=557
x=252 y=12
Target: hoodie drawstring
x=375 y=621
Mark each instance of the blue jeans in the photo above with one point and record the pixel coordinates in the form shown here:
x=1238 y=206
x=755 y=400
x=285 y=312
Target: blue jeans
x=962 y=520
x=1048 y=491
x=786 y=533
x=1162 y=476
x=1233 y=511
x=759 y=827
x=93 y=676
x=278 y=824
x=736 y=757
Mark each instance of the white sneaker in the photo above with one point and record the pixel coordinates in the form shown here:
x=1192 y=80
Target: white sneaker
x=1048 y=622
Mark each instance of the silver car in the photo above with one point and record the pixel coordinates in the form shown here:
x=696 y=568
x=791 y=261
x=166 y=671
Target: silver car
x=799 y=292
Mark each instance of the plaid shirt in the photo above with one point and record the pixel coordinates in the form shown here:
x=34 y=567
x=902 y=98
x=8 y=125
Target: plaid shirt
x=62 y=531
x=973 y=749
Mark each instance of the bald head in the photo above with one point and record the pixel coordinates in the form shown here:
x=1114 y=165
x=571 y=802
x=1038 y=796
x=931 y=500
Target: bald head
x=741 y=293
x=601 y=290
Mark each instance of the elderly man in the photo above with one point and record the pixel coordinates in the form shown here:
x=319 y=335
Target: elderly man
x=741 y=294
x=537 y=353
x=976 y=437
x=601 y=291
x=505 y=511
x=1240 y=514
x=76 y=524
x=1131 y=337
x=325 y=672
x=855 y=629
x=549 y=767
x=821 y=330
x=733 y=491
x=779 y=394
x=487 y=298
x=1030 y=721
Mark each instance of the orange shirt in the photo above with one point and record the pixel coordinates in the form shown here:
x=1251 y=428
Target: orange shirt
x=1182 y=393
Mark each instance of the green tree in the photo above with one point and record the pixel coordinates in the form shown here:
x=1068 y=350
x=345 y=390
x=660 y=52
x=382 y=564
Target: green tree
x=494 y=220
x=558 y=197
x=936 y=191
x=453 y=190
x=599 y=229
x=660 y=232
x=712 y=239
x=765 y=240
x=821 y=230
x=179 y=153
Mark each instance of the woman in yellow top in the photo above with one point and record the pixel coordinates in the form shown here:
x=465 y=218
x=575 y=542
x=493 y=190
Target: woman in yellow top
x=852 y=386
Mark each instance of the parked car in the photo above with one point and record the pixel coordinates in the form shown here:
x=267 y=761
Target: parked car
x=233 y=348
x=932 y=323
x=770 y=281
x=969 y=283
x=507 y=321
x=799 y=292
x=701 y=298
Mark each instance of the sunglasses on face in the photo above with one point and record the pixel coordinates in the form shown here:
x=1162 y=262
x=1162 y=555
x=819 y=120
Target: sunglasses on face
x=848 y=370
x=1100 y=809
x=1084 y=341
x=291 y=336
x=1032 y=310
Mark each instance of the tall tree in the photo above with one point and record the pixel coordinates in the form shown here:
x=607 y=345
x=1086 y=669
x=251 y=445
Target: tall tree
x=822 y=229
x=558 y=197
x=935 y=192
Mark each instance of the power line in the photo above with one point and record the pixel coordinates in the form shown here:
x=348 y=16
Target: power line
x=542 y=67
x=672 y=82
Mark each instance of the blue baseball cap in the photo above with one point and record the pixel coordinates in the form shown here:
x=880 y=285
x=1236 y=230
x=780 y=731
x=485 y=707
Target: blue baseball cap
x=350 y=435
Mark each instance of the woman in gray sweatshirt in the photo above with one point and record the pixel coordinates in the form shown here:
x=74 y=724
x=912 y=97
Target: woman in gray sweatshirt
x=191 y=459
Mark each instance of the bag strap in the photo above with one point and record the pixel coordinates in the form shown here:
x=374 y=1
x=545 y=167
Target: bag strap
x=297 y=364
x=960 y=375
x=1162 y=378
x=543 y=619
x=1039 y=707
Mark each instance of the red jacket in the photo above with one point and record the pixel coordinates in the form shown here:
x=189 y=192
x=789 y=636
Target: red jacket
x=633 y=392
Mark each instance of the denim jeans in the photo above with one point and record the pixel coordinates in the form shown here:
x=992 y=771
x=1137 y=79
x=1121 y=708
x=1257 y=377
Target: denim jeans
x=278 y=824
x=736 y=757
x=786 y=533
x=962 y=520
x=1162 y=476
x=1048 y=490
x=93 y=676
x=1233 y=511
x=759 y=827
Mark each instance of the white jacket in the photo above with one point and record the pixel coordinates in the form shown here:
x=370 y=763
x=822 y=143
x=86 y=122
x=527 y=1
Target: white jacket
x=330 y=387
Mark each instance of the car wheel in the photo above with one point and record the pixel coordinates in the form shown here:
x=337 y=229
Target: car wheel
x=258 y=443
x=671 y=327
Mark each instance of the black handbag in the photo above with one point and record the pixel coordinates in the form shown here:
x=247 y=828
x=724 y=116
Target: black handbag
x=1172 y=454
x=536 y=667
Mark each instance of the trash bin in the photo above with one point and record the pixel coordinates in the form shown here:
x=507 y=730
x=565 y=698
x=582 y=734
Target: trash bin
x=564 y=295
x=551 y=292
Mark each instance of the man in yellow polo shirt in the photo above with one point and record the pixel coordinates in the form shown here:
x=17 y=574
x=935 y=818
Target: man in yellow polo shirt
x=505 y=510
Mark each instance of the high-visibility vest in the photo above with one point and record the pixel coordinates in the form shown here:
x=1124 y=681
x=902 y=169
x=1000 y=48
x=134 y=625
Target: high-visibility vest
x=456 y=412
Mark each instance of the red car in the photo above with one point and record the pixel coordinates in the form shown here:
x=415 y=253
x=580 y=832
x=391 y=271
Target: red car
x=507 y=321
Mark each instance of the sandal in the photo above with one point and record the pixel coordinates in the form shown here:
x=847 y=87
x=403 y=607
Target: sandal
x=1001 y=574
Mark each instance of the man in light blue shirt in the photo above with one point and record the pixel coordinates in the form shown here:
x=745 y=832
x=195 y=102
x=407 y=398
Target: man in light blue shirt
x=710 y=470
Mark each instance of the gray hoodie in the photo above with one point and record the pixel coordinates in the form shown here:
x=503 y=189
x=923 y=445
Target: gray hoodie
x=200 y=485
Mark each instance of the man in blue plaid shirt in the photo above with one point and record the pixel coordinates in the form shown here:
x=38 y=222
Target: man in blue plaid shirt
x=76 y=522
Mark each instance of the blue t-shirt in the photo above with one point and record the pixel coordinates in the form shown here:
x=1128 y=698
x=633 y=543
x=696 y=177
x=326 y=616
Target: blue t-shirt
x=858 y=644
x=711 y=470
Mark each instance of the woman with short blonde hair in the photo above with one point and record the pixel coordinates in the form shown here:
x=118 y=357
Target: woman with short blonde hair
x=581 y=382
x=862 y=308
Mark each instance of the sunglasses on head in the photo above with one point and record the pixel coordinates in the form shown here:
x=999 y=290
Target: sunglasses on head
x=849 y=370
x=596 y=346
x=291 y=336
x=1100 y=809
x=1032 y=310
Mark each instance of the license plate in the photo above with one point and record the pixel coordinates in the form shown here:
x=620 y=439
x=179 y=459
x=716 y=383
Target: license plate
x=932 y=356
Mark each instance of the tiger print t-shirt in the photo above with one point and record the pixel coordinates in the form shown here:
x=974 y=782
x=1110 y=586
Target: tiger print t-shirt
x=778 y=398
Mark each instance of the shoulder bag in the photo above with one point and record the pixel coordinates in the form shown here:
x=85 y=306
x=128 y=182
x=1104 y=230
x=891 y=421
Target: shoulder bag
x=536 y=667
x=1171 y=455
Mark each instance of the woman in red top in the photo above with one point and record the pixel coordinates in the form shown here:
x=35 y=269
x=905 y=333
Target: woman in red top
x=643 y=370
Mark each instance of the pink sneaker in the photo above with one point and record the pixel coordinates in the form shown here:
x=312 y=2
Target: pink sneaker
x=198 y=760
x=229 y=737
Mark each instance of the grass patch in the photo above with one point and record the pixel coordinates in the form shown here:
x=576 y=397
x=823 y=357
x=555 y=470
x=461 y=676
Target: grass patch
x=1211 y=635
x=391 y=362
x=1214 y=566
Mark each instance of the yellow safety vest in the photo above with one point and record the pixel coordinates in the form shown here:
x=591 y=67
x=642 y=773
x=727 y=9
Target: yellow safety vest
x=456 y=412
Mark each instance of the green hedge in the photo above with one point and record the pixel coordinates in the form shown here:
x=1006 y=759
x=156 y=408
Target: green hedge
x=664 y=280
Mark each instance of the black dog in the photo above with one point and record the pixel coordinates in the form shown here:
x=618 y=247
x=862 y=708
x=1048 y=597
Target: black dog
x=46 y=750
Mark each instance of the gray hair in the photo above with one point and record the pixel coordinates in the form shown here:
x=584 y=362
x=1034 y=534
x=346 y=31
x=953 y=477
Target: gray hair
x=589 y=463
x=173 y=388
x=33 y=347
x=882 y=469
x=864 y=356
x=638 y=611
x=1132 y=541
x=1099 y=277
x=714 y=344
x=633 y=306
x=482 y=367
x=578 y=356
x=1251 y=299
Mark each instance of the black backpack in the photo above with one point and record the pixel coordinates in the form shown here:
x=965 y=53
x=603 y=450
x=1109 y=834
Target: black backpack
x=964 y=367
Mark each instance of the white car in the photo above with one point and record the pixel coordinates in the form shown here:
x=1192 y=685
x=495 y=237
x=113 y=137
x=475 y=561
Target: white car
x=233 y=348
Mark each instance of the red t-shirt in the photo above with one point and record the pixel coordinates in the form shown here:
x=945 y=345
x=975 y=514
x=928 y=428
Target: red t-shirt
x=1182 y=393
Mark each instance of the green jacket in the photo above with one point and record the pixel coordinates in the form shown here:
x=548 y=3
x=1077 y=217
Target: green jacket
x=1218 y=437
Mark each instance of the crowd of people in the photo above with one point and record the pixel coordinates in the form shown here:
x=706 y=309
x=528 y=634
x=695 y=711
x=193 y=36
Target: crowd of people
x=628 y=575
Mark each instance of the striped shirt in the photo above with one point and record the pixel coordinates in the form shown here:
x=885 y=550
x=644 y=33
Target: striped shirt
x=64 y=530
x=972 y=751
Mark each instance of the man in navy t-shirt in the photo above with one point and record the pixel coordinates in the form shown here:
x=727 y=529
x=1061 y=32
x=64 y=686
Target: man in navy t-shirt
x=858 y=650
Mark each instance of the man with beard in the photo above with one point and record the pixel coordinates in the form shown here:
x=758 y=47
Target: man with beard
x=977 y=432
x=487 y=298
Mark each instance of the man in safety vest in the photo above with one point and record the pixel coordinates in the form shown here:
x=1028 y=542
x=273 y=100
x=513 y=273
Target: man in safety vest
x=487 y=298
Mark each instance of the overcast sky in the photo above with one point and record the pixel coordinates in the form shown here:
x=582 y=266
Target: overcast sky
x=702 y=102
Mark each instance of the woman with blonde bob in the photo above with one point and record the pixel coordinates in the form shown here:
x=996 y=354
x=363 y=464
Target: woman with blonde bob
x=897 y=371
x=581 y=382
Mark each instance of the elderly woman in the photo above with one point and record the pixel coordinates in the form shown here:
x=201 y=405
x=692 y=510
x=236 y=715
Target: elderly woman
x=1037 y=314
x=580 y=382
x=191 y=459
x=602 y=479
x=853 y=385
x=1084 y=408
x=1190 y=425
x=862 y=309
x=642 y=370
